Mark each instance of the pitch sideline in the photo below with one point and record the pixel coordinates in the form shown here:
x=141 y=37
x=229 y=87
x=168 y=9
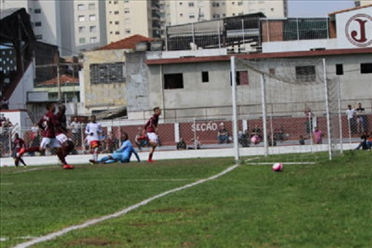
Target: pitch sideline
x=88 y=223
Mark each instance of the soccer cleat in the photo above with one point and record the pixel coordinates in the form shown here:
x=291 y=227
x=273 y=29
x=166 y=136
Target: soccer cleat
x=92 y=161
x=150 y=161
x=68 y=167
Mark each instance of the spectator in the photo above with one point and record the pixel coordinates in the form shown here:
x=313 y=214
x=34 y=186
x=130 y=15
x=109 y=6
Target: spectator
x=223 y=134
x=301 y=140
x=76 y=131
x=196 y=143
x=309 y=120
x=364 y=143
x=350 y=114
x=361 y=118
x=317 y=136
x=181 y=145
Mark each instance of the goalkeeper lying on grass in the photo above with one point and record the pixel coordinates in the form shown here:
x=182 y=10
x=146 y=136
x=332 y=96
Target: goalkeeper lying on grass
x=122 y=155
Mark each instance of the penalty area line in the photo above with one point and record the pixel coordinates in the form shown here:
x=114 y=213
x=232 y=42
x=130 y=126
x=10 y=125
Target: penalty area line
x=88 y=223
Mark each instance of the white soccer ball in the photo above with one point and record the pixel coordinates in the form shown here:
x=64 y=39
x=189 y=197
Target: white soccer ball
x=255 y=139
x=278 y=167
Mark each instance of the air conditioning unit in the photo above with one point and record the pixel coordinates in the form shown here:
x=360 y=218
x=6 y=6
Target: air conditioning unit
x=142 y=46
x=157 y=45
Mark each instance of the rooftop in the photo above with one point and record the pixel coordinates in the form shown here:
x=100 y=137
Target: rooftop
x=127 y=43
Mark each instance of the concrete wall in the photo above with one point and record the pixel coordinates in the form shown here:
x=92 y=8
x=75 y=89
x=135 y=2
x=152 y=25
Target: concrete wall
x=102 y=96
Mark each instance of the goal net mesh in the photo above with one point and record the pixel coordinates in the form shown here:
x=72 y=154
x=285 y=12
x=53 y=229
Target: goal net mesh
x=292 y=105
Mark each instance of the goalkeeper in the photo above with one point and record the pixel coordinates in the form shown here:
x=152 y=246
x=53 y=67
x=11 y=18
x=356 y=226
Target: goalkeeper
x=122 y=155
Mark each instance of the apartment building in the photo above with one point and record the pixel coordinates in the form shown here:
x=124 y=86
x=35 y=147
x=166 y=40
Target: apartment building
x=127 y=18
x=362 y=2
x=74 y=26
x=181 y=12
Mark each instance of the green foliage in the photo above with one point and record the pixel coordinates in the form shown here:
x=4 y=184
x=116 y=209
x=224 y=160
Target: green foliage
x=327 y=204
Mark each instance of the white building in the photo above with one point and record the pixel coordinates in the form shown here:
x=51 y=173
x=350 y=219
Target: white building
x=127 y=18
x=74 y=26
x=181 y=12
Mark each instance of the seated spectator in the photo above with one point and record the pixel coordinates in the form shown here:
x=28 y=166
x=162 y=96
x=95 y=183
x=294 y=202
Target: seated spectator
x=301 y=140
x=181 y=145
x=196 y=144
x=256 y=131
x=317 y=136
x=223 y=134
x=243 y=139
x=366 y=143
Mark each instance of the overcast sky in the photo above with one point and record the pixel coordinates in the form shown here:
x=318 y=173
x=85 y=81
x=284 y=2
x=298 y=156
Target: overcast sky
x=316 y=8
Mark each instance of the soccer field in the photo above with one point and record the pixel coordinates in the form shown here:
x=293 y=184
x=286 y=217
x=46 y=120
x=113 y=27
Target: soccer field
x=189 y=203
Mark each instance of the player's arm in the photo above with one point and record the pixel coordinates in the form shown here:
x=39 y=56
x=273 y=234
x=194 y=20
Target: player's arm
x=136 y=154
x=87 y=130
x=122 y=147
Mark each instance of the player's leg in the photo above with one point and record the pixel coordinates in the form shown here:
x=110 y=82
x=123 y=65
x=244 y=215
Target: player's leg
x=64 y=146
x=153 y=142
x=43 y=145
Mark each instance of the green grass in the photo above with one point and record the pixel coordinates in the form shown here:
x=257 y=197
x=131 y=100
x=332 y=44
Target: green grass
x=328 y=204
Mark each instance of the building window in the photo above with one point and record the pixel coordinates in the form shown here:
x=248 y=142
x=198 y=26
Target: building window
x=366 y=68
x=127 y=21
x=127 y=31
x=173 y=81
x=39 y=36
x=339 y=69
x=82 y=40
x=92 y=6
x=241 y=78
x=93 y=39
x=37 y=24
x=272 y=71
x=240 y=3
x=116 y=22
x=116 y=12
x=107 y=73
x=192 y=16
x=126 y=10
x=305 y=73
x=81 y=18
x=92 y=29
x=205 y=76
x=81 y=7
x=37 y=11
x=81 y=29
x=191 y=4
x=92 y=17
x=117 y=32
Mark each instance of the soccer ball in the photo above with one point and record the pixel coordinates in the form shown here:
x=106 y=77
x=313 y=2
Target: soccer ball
x=278 y=167
x=255 y=139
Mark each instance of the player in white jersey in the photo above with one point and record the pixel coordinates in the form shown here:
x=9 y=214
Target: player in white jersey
x=93 y=130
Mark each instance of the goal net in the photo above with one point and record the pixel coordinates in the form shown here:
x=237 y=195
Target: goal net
x=291 y=105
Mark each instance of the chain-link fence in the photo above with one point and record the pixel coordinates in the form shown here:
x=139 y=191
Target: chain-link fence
x=290 y=130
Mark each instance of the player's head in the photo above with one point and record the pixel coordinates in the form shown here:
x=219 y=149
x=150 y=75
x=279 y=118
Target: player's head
x=62 y=108
x=124 y=136
x=51 y=107
x=157 y=110
x=16 y=135
x=93 y=118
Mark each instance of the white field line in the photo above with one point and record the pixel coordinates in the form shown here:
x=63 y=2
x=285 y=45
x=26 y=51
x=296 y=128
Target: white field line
x=286 y=163
x=25 y=237
x=119 y=213
x=27 y=170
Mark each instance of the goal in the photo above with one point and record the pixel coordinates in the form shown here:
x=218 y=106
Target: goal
x=291 y=104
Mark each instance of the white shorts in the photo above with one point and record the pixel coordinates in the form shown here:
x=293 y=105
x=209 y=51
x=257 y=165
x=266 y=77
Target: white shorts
x=62 y=138
x=153 y=137
x=49 y=143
